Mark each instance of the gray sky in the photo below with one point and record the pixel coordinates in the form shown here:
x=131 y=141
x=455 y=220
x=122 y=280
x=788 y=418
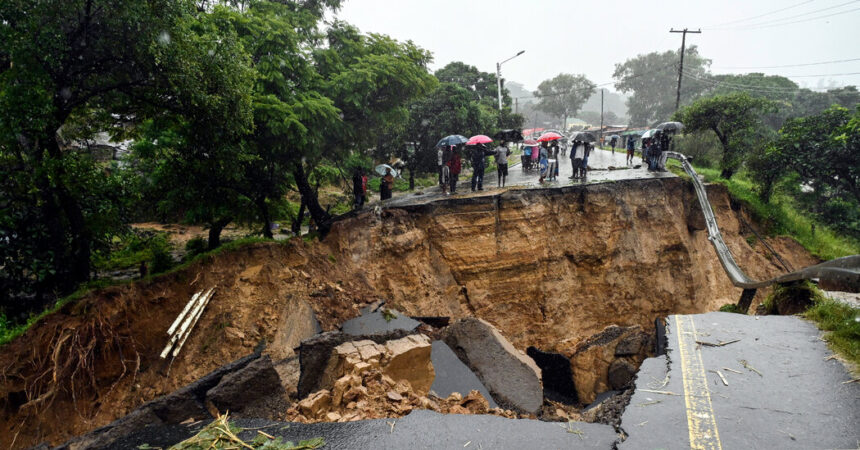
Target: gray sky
x=591 y=37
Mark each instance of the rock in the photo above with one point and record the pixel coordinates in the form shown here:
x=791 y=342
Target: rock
x=288 y=371
x=410 y=359
x=476 y=403
x=632 y=344
x=314 y=405
x=249 y=388
x=297 y=323
x=590 y=359
x=314 y=355
x=234 y=333
x=621 y=372
x=394 y=396
x=512 y=377
x=332 y=417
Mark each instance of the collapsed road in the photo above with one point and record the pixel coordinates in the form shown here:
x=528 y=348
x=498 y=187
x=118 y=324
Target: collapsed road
x=533 y=263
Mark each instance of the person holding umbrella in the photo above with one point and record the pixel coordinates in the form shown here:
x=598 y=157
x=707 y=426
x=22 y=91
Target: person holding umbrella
x=612 y=141
x=387 y=185
x=631 y=146
x=479 y=152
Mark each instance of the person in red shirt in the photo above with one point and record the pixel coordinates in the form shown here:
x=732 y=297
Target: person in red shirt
x=454 y=166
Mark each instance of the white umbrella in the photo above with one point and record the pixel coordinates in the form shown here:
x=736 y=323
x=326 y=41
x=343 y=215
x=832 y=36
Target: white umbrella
x=380 y=169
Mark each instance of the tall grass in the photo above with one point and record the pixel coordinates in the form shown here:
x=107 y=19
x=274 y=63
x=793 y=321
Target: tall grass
x=842 y=325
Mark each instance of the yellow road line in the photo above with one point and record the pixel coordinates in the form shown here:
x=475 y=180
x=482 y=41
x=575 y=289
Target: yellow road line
x=701 y=422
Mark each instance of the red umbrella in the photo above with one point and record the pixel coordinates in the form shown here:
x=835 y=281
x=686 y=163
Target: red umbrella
x=549 y=136
x=479 y=139
x=530 y=143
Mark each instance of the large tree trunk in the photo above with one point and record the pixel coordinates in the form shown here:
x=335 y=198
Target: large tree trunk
x=320 y=217
x=215 y=230
x=80 y=242
x=263 y=208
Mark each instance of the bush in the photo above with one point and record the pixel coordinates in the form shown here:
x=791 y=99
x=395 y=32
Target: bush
x=730 y=308
x=195 y=247
x=703 y=147
x=792 y=298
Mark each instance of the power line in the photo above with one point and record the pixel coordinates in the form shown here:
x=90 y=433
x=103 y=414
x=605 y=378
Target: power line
x=772 y=24
x=749 y=88
x=823 y=75
x=555 y=94
x=787 y=65
x=760 y=15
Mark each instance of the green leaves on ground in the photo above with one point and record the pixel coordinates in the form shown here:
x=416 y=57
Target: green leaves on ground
x=222 y=434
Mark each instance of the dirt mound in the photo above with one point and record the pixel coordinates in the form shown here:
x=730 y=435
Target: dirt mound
x=548 y=268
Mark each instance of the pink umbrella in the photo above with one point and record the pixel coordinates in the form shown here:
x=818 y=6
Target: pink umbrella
x=479 y=139
x=530 y=143
x=549 y=136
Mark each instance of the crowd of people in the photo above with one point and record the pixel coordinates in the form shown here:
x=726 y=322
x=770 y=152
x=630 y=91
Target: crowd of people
x=544 y=156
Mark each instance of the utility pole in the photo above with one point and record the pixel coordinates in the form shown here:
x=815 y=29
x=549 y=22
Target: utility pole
x=681 y=66
x=499 y=76
x=600 y=142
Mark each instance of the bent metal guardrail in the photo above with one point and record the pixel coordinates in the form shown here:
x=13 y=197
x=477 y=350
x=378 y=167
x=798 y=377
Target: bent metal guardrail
x=846 y=269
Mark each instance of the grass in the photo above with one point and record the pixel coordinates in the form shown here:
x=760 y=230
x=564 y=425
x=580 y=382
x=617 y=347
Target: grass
x=841 y=323
x=222 y=434
x=782 y=217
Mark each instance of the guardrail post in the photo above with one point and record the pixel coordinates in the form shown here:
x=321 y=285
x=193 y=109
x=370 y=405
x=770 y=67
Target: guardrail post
x=746 y=299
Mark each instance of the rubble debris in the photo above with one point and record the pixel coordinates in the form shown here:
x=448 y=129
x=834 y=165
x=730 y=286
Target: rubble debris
x=512 y=377
x=314 y=355
x=592 y=358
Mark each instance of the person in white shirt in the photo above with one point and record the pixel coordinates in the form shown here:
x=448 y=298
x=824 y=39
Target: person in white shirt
x=501 y=154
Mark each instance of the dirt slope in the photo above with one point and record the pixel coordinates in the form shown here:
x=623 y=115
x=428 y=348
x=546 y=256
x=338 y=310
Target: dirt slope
x=549 y=268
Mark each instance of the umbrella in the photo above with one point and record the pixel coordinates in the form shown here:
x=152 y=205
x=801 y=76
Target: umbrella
x=671 y=127
x=550 y=136
x=509 y=135
x=583 y=136
x=479 y=139
x=615 y=136
x=380 y=169
x=530 y=143
x=650 y=133
x=454 y=139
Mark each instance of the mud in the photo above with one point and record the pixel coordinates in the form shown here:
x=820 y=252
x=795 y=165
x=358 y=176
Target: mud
x=548 y=267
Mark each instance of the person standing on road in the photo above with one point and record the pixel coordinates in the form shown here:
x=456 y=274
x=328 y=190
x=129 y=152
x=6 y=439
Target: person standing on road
x=544 y=162
x=631 y=146
x=440 y=161
x=576 y=156
x=612 y=143
x=588 y=149
x=502 y=153
x=664 y=151
x=479 y=152
x=455 y=164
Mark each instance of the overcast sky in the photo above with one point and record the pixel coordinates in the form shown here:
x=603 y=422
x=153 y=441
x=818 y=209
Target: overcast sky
x=591 y=37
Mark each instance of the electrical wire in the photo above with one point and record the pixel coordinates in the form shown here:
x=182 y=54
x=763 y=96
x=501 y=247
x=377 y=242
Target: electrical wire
x=760 y=15
x=555 y=94
x=787 y=65
x=773 y=24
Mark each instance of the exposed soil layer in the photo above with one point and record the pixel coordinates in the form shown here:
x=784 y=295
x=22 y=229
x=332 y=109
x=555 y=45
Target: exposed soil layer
x=549 y=268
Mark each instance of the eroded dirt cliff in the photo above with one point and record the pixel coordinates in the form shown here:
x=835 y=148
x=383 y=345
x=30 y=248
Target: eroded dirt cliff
x=550 y=268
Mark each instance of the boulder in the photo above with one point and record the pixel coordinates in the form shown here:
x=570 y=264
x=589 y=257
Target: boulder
x=591 y=359
x=620 y=374
x=512 y=377
x=409 y=359
x=297 y=323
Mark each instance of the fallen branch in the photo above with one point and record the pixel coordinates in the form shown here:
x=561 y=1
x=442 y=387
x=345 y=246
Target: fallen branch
x=748 y=366
x=721 y=376
x=720 y=344
x=659 y=392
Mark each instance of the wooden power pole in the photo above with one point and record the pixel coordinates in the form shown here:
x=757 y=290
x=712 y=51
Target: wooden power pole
x=681 y=66
x=600 y=141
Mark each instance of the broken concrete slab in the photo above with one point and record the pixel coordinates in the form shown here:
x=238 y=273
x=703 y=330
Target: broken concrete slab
x=591 y=358
x=512 y=377
x=556 y=376
x=314 y=355
x=453 y=376
x=185 y=403
x=253 y=391
x=409 y=358
x=420 y=429
x=376 y=322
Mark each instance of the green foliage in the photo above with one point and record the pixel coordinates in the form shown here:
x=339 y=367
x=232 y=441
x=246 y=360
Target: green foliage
x=782 y=216
x=653 y=78
x=801 y=292
x=734 y=118
x=194 y=247
x=388 y=314
x=222 y=434
x=129 y=250
x=730 y=308
x=842 y=324
x=564 y=95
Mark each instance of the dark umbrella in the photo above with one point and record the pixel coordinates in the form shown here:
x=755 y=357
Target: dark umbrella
x=509 y=136
x=454 y=139
x=583 y=136
x=671 y=127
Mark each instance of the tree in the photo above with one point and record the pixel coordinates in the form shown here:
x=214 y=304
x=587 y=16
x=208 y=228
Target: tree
x=118 y=62
x=734 y=118
x=481 y=85
x=653 y=80
x=564 y=95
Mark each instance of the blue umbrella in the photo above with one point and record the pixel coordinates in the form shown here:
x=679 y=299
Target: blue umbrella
x=454 y=139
